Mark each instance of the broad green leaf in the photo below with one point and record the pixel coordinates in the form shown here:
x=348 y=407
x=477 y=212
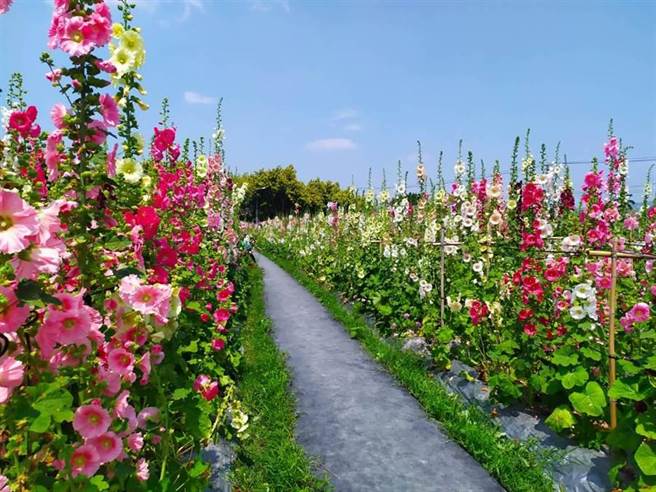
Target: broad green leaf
x=560 y=419
x=41 y=423
x=646 y=424
x=591 y=354
x=622 y=390
x=592 y=402
x=198 y=469
x=576 y=378
x=180 y=393
x=564 y=357
x=645 y=457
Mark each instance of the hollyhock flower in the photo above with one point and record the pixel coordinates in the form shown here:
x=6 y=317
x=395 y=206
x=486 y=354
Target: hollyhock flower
x=157 y=354
x=120 y=361
x=85 y=461
x=144 y=367
x=640 y=312
x=124 y=411
x=148 y=414
x=12 y=316
x=218 y=344
x=4 y=7
x=52 y=155
x=135 y=441
x=593 y=180
x=221 y=315
x=69 y=326
x=530 y=329
x=142 y=470
x=11 y=376
x=108 y=446
x=207 y=388
x=166 y=255
x=100 y=134
x=91 y=420
x=163 y=138
x=4 y=481
x=612 y=148
x=109 y=110
x=22 y=121
x=111 y=379
x=18 y=222
x=54 y=75
x=106 y=66
x=147 y=218
x=532 y=196
x=38 y=258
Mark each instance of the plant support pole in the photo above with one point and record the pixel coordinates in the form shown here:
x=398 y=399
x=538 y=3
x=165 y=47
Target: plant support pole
x=442 y=277
x=611 y=332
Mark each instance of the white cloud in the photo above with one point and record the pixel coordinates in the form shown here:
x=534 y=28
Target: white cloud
x=353 y=127
x=196 y=98
x=269 y=5
x=345 y=114
x=329 y=144
x=189 y=6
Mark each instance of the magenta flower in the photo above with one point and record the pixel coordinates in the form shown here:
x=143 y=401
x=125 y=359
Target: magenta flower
x=218 y=344
x=135 y=441
x=146 y=415
x=12 y=316
x=85 y=461
x=11 y=376
x=108 y=446
x=4 y=7
x=640 y=312
x=18 y=222
x=207 y=388
x=91 y=421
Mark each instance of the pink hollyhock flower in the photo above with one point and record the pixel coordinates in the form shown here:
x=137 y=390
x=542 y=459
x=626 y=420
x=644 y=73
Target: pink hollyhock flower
x=106 y=66
x=12 y=316
x=22 y=121
x=100 y=24
x=223 y=295
x=135 y=441
x=142 y=470
x=54 y=75
x=4 y=481
x=157 y=354
x=163 y=138
x=530 y=329
x=631 y=223
x=77 y=36
x=69 y=326
x=144 y=366
x=221 y=315
x=612 y=148
x=207 y=388
x=57 y=114
x=4 y=7
x=627 y=322
x=18 y=222
x=166 y=255
x=640 y=312
x=111 y=162
x=125 y=411
x=111 y=379
x=100 y=134
x=593 y=180
x=11 y=376
x=218 y=344
x=53 y=155
x=120 y=361
x=108 y=446
x=91 y=420
x=85 y=461
x=109 y=110
x=37 y=259
x=146 y=415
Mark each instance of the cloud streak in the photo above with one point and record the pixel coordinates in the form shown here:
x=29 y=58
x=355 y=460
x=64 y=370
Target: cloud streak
x=268 y=5
x=345 y=114
x=331 y=144
x=197 y=98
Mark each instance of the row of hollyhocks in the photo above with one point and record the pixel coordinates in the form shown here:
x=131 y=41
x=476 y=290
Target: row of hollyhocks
x=116 y=292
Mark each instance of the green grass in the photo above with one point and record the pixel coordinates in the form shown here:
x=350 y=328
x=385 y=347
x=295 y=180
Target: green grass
x=517 y=466
x=270 y=459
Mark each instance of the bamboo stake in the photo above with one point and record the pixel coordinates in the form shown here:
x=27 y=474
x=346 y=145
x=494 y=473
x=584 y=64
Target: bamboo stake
x=611 y=332
x=442 y=277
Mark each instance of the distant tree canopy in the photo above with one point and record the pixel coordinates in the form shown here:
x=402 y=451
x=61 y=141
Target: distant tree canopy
x=275 y=192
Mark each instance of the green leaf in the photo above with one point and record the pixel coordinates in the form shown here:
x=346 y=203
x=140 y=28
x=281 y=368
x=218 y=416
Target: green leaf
x=645 y=457
x=621 y=390
x=117 y=244
x=576 y=378
x=564 y=357
x=41 y=423
x=180 y=393
x=124 y=272
x=99 y=483
x=198 y=469
x=592 y=402
x=646 y=424
x=591 y=354
x=651 y=363
x=560 y=419
x=192 y=347
x=31 y=291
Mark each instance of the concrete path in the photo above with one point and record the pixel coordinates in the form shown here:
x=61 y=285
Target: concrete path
x=367 y=432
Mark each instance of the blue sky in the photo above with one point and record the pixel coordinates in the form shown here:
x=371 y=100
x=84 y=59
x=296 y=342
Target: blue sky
x=336 y=87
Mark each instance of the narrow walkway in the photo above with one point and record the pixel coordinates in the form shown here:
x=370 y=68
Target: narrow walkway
x=367 y=431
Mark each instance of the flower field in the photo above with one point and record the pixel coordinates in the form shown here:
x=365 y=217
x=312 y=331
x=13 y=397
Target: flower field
x=548 y=295
x=118 y=285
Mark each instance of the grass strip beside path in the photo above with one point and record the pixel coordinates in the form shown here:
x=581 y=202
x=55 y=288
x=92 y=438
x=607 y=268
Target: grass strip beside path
x=270 y=459
x=518 y=466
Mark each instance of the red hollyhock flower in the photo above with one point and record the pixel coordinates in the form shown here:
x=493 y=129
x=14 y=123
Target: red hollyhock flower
x=22 y=121
x=532 y=196
x=147 y=218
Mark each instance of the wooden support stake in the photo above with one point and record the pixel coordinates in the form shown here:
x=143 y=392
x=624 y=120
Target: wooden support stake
x=611 y=332
x=442 y=277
